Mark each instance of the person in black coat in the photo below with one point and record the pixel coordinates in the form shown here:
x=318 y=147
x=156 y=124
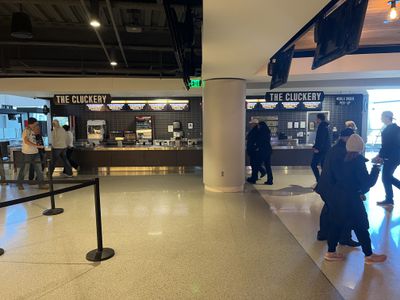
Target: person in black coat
x=351 y=181
x=253 y=152
x=265 y=148
x=325 y=188
x=321 y=146
x=389 y=155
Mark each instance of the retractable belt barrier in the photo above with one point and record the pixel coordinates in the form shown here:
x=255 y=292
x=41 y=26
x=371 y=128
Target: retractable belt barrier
x=98 y=254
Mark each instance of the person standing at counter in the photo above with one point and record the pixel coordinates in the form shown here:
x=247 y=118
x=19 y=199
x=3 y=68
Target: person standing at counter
x=253 y=152
x=70 y=147
x=389 y=156
x=352 y=181
x=265 y=148
x=59 y=149
x=321 y=146
x=42 y=152
x=30 y=152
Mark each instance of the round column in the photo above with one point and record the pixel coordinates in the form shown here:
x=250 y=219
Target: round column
x=224 y=116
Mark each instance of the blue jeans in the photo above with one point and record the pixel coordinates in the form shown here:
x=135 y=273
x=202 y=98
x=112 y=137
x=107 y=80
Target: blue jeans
x=388 y=179
x=55 y=155
x=34 y=160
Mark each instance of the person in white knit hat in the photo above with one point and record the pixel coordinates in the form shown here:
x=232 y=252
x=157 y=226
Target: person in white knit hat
x=352 y=181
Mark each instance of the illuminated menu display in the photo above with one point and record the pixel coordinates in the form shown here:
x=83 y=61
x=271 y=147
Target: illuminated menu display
x=137 y=106
x=270 y=105
x=115 y=107
x=312 y=105
x=179 y=106
x=95 y=107
x=158 y=106
x=290 y=105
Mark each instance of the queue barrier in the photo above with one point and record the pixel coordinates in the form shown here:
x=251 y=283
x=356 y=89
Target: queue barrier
x=98 y=254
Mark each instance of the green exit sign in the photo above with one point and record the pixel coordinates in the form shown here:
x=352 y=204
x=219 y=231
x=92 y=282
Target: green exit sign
x=195 y=83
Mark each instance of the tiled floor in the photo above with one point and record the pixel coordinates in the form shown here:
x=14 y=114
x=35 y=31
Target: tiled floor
x=175 y=241
x=298 y=207
x=172 y=241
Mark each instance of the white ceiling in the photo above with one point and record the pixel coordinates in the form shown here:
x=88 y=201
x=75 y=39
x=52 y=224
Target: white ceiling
x=240 y=36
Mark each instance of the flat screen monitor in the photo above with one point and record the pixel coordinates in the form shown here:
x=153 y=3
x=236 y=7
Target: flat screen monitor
x=339 y=32
x=279 y=67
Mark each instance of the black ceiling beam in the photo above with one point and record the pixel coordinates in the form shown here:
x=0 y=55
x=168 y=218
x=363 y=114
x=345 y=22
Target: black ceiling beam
x=176 y=41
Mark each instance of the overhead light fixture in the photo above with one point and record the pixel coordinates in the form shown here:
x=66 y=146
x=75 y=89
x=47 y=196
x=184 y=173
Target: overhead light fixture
x=95 y=23
x=113 y=58
x=393 y=14
x=94 y=14
x=113 y=63
x=21 y=26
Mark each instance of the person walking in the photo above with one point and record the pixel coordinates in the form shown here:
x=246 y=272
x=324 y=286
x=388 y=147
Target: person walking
x=389 y=156
x=70 y=147
x=42 y=152
x=321 y=146
x=30 y=152
x=325 y=188
x=351 y=182
x=265 y=148
x=2 y=172
x=253 y=152
x=59 y=149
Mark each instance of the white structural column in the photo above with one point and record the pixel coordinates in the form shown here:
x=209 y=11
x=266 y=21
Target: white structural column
x=224 y=134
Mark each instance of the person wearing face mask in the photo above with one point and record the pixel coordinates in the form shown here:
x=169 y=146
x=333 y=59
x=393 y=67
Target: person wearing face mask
x=389 y=156
x=351 y=181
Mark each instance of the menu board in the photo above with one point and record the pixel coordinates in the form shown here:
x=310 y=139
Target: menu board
x=179 y=106
x=95 y=107
x=284 y=106
x=137 y=106
x=157 y=106
x=115 y=107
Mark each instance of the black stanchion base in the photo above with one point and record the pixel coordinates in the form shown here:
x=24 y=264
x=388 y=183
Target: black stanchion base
x=97 y=255
x=1 y=251
x=53 y=211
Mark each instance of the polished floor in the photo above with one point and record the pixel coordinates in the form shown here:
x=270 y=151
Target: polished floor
x=175 y=241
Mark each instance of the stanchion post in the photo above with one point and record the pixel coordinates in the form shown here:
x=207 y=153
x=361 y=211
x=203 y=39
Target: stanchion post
x=53 y=210
x=100 y=253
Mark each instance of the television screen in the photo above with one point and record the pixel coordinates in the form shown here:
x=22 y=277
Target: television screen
x=339 y=32
x=279 y=67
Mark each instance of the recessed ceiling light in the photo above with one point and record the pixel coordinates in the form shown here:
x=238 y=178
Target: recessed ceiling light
x=113 y=63
x=95 y=23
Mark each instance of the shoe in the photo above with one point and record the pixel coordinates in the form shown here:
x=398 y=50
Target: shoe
x=43 y=187
x=249 y=180
x=333 y=256
x=263 y=174
x=350 y=243
x=384 y=203
x=66 y=175
x=321 y=237
x=20 y=187
x=269 y=182
x=375 y=258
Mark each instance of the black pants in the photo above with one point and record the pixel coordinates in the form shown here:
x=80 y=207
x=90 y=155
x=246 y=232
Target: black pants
x=268 y=169
x=255 y=163
x=43 y=165
x=388 y=179
x=335 y=230
x=55 y=155
x=73 y=163
x=317 y=159
x=324 y=225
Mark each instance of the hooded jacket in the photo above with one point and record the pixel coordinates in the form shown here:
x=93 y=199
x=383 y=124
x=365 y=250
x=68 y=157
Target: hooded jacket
x=322 y=140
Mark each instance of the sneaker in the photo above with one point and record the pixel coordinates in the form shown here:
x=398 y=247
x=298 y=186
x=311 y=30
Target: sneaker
x=66 y=175
x=375 y=258
x=20 y=187
x=350 y=243
x=384 y=203
x=333 y=256
x=43 y=187
x=269 y=182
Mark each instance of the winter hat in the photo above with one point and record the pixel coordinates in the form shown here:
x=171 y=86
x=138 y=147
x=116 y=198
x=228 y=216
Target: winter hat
x=355 y=144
